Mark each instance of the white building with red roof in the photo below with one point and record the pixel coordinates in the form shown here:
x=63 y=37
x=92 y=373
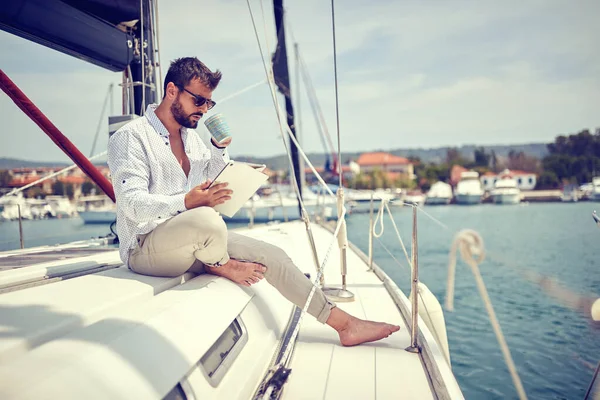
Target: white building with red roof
x=525 y=180
x=393 y=165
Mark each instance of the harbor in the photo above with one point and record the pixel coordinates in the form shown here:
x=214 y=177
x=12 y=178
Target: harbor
x=429 y=232
x=554 y=346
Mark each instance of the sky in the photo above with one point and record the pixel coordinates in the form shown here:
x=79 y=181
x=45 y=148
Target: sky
x=411 y=74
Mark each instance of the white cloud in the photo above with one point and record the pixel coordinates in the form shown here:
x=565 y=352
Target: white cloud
x=411 y=74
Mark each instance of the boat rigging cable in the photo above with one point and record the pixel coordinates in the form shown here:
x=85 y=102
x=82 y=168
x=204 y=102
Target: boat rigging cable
x=341 y=220
x=270 y=79
x=318 y=113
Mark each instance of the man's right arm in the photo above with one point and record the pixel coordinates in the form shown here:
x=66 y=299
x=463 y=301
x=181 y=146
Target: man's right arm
x=130 y=174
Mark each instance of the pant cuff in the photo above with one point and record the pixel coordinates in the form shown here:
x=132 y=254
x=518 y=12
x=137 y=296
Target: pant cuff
x=323 y=316
x=218 y=263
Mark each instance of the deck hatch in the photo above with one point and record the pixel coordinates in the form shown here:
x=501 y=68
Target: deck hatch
x=219 y=358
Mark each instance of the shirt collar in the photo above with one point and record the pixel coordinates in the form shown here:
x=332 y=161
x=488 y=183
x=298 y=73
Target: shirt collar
x=158 y=125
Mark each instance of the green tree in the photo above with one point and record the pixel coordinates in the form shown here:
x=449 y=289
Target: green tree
x=482 y=159
x=58 y=188
x=523 y=162
x=547 y=180
x=5 y=178
x=69 y=190
x=453 y=157
x=574 y=158
x=404 y=183
x=87 y=187
x=378 y=179
x=359 y=181
x=494 y=161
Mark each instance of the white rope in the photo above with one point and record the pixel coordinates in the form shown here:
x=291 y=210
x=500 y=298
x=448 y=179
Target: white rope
x=379 y=219
x=242 y=91
x=470 y=244
x=44 y=178
x=398 y=235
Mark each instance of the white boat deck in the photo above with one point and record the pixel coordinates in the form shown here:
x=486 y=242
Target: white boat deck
x=321 y=367
x=116 y=334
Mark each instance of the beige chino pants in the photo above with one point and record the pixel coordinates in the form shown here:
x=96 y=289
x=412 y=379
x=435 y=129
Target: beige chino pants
x=199 y=236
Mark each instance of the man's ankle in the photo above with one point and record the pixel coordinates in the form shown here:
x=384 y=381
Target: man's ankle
x=338 y=319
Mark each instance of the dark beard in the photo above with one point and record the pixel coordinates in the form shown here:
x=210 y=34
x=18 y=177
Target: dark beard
x=181 y=118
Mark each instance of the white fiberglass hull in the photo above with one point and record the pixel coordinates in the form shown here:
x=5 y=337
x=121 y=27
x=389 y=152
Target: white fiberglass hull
x=468 y=198
x=507 y=198
x=434 y=200
x=98 y=217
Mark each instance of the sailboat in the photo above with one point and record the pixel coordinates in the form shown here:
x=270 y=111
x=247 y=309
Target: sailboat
x=76 y=323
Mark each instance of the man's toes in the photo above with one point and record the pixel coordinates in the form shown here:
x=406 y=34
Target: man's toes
x=258 y=276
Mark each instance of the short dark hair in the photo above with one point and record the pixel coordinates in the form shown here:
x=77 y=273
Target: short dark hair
x=183 y=70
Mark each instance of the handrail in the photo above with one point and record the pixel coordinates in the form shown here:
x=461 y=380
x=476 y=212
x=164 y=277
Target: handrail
x=413 y=262
x=414 y=289
x=470 y=243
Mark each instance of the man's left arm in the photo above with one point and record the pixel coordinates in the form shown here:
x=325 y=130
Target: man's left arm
x=219 y=157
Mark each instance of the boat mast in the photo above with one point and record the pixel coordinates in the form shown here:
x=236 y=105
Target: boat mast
x=282 y=80
x=143 y=66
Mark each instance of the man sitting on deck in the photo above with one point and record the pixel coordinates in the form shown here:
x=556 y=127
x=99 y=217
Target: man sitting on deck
x=161 y=173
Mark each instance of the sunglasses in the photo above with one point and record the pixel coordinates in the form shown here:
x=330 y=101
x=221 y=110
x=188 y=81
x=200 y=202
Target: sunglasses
x=199 y=101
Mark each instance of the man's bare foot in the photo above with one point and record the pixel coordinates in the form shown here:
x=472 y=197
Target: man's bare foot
x=242 y=272
x=353 y=331
x=361 y=331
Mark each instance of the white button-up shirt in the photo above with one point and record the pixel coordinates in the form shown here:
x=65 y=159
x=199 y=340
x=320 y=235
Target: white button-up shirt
x=150 y=185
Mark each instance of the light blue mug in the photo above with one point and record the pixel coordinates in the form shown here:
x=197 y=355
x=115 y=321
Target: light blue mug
x=218 y=127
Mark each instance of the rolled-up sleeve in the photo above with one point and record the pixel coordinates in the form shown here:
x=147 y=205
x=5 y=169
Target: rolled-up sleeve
x=130 y=173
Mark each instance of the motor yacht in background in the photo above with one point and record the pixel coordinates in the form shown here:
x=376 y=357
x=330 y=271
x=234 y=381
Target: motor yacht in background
x=440 y=193
x=595 y=193
x=413 y=197
x=280 y=207
x=11 y=206
x=469 y=189
x=96 y=209
x=570 y=194
x=506 y=191
x=61 y=206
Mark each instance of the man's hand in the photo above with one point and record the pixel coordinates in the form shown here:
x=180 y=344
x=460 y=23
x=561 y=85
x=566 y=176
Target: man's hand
x=203 y=196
